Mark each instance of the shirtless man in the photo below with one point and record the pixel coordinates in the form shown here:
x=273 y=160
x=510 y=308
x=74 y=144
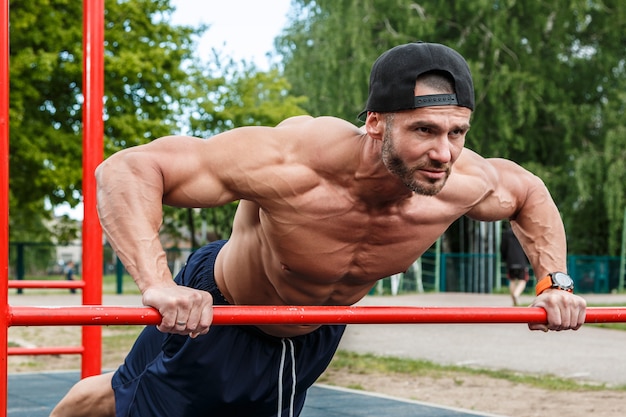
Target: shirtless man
x=326 y=209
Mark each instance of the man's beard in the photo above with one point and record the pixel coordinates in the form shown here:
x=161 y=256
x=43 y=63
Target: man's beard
x=406 y=174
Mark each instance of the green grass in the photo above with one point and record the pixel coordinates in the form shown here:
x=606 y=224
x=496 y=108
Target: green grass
x=612 y=326
x=109 y=284
x=368 y=364
x=120 y=335
x=116 y=338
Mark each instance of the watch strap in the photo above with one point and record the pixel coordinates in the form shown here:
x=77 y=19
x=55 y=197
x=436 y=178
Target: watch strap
x=546 y=283
x=543 y=284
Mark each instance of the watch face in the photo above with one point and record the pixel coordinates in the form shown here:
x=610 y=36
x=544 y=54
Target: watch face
x=562 y=280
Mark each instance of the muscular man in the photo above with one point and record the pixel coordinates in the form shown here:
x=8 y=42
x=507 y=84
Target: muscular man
x=326 y=209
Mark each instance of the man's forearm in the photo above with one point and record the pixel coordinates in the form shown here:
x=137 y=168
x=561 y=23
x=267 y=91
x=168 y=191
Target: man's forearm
x=539 y=228
x=131 y=220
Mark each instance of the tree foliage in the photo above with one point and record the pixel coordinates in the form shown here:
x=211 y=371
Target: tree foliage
x=154 y=86
x=549 y=76
x=549 y=80
x=143 y=73
x=44 y=113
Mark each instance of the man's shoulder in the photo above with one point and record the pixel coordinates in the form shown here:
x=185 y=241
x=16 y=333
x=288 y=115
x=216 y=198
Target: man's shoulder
x=327 y=144
x=314 y=134
x=325 y=122
x=472 y=164
x=472 y=178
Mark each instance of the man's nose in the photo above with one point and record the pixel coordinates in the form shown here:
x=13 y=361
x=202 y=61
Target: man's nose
x=440 y=150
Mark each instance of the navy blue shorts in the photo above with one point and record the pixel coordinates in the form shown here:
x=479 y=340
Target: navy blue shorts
x=231 y=371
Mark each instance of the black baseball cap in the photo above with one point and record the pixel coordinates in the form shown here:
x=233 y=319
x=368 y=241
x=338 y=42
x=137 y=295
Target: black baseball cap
x=392 y=80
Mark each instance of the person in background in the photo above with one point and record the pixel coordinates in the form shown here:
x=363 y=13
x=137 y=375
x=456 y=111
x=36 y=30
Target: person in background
x=516 y=262
x=69 y=274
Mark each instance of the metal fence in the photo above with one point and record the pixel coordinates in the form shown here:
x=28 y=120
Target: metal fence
x=434 y=271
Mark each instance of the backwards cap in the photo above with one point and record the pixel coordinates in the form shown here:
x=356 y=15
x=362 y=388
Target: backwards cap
x=392 y=80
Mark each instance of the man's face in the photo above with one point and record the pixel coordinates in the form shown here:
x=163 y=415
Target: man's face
x=421 y=145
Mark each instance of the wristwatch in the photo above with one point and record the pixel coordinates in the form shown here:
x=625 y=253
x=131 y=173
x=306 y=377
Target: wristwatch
x=559 y=280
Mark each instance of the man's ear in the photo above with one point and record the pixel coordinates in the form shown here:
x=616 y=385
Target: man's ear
x=375 y=125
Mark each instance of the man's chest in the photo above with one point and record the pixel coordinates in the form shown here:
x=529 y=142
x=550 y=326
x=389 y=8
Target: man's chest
x=350 y=245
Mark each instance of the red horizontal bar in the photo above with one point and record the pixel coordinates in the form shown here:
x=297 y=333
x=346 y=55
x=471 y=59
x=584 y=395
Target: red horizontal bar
x=264 y=315
x=18 y=283
x=83 y=315
x=52 y=350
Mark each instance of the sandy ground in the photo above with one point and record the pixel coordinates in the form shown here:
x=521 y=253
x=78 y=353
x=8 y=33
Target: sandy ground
x=472 y=392
x=489 y=395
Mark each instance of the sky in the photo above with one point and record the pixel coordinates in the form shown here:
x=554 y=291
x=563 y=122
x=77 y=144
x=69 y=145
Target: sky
x=241 y=29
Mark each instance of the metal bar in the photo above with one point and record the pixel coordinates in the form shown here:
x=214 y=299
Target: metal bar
x=4 y=201
x=622 y=258
x=13 y=283
x=51 y=350
x=93 y=153
x=85 y=315
x=268 y=315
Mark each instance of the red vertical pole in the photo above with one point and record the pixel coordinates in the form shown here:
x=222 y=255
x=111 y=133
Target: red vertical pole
x=93 y=131
x=4 y=202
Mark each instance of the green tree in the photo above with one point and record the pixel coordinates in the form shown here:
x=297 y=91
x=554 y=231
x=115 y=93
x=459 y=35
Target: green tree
x=143 y=79
x=600 y=173
x=547 y=78
x=43 y=111
x=154 y=86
